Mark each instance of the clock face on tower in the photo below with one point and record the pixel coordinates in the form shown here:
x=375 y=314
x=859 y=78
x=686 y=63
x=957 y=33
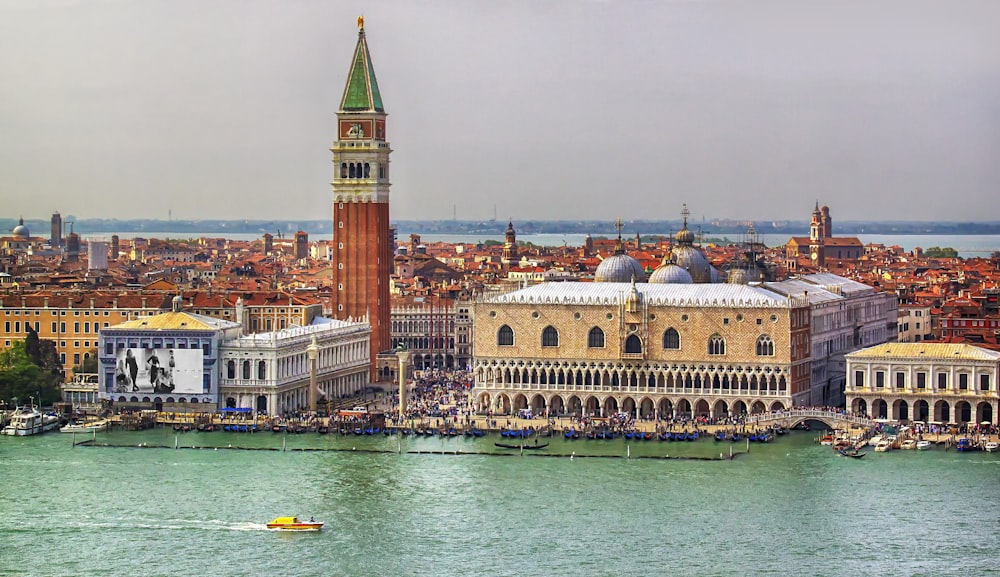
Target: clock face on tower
x=814 y=255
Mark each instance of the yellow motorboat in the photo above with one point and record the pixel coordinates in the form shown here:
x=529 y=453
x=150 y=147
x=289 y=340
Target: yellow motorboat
x=294 y=524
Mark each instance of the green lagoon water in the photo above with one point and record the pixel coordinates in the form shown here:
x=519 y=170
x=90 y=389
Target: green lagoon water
x=789 y=507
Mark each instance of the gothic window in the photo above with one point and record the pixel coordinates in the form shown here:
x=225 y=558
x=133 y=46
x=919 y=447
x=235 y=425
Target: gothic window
x=633 y=345
x=505 y=336
x=595 y=338
x=716 y=345
x=343 y=170
x=550 y=337
x=368 y=170
x=231 y=370
x=671 y=339
x=261 y=371
x=765 y=346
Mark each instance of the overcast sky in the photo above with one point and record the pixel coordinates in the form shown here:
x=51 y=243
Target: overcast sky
x=882 y=109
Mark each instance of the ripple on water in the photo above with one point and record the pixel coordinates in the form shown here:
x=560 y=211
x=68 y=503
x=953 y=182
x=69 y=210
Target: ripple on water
x=789 y=506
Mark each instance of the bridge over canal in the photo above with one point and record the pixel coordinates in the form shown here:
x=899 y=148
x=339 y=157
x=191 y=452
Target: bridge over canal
x=791 y=418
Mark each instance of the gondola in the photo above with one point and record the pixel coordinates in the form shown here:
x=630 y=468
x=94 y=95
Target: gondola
x=512 y=446
x=323 y=430
x=720 y=436
x=852 y=454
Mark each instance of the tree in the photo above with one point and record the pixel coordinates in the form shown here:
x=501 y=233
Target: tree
x=89 y=364
x=21 y=378
x=939 y=252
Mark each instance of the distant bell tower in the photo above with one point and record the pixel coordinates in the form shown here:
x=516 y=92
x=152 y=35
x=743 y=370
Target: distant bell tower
x=362 y=245
x=509 y=256
x=816 y=237
x=55 y=238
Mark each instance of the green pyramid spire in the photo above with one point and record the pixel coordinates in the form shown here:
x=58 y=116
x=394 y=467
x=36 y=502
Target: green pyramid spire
x=361 y=93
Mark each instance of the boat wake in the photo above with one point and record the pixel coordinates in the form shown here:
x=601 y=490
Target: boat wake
x=178 y=524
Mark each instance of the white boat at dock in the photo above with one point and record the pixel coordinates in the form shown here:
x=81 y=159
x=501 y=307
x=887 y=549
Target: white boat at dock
x=80 y=428
x=29 y=421
x=883 y=446
x=991 y=447
x=875 y=440
x=923 y=445
x=908 y=445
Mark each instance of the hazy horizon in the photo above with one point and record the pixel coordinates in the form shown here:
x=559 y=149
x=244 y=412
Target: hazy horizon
x=562 y=110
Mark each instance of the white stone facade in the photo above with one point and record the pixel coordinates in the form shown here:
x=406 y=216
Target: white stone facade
x=928 y=382
x=269 y=372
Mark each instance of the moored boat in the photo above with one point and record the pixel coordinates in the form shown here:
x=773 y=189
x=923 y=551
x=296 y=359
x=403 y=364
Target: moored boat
x=908 y=445
x=991 y=447
x=965 y=445
x=29 y=421
x=294 y=524
x=883 y=446
x=923 y=445
x=78 y=428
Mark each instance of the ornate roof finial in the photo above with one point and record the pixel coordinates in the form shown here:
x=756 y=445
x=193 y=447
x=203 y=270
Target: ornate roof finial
x=361 y=22
x=619 y=246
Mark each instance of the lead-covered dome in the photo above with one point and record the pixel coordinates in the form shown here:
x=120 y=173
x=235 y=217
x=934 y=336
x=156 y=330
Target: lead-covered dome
x=670 y=273
x=619 y=268
x=21 y=231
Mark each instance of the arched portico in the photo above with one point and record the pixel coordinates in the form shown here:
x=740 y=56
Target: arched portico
x=900 y=410
x=942 y=412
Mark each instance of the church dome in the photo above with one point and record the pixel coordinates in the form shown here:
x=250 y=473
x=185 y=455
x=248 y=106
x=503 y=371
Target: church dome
x=685 y=236
x=21 y=231
x=670 y=273
x=691 y=259
x=619 y=268
x=737 y=276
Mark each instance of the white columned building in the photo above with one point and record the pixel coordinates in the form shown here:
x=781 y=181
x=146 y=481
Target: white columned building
x=270 y=372
x=928 y=382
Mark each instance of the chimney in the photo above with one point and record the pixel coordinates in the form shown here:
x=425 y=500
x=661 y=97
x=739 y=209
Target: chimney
x=46 y=302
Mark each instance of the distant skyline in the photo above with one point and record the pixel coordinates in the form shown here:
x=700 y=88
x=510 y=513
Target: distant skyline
x=883 y=109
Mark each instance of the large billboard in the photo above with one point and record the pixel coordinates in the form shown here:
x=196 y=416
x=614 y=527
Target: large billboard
x=158 y=371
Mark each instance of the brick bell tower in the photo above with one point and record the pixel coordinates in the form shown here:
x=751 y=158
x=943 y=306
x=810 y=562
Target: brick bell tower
x=362 y=251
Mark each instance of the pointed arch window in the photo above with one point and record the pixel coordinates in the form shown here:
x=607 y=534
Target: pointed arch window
x=671 y=339
x=550 y=337
x=595 y=338
x=716 y=345
x=765 y=346
x=505 y=336
x=633 y=345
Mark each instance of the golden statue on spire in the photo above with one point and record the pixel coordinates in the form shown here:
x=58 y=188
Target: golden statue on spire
x=361 y=22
